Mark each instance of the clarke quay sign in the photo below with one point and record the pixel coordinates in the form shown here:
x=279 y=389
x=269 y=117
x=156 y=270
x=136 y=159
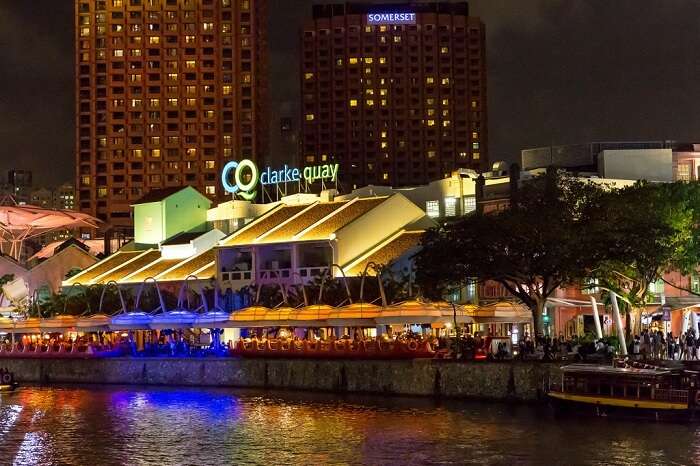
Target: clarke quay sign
x=391 y=18
x=235 y=181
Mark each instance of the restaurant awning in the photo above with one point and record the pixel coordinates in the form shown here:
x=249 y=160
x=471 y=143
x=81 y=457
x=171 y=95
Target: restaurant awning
x=354 y=315
x=502 y=313
x=409 y=312
x=58 y=324
x=95 y=323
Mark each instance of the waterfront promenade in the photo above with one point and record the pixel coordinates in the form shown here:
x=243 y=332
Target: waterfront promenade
x=514 y=380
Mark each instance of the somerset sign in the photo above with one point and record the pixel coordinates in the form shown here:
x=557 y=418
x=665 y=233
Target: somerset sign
x=243 y=177
x=391 y=18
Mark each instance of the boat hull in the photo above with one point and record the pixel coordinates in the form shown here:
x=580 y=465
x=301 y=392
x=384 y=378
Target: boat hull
x=571 y=404
x=4 y=388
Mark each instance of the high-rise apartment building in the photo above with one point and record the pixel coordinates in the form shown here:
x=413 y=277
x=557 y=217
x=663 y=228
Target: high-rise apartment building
x=166 y=92
x=395 y=93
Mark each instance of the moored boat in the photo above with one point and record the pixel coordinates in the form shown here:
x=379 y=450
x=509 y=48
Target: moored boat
x=649 y=392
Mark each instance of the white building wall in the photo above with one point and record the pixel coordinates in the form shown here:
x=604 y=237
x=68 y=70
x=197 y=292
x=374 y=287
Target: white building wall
x=637 y=164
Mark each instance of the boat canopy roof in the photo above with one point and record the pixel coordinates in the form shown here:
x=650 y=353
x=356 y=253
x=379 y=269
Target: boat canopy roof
x=592 y=369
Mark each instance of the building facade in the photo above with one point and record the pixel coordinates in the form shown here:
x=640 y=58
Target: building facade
x=394 y=93
x=166 y=92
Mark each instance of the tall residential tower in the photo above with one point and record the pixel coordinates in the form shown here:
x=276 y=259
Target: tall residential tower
x=166 y=92
x=395 y=93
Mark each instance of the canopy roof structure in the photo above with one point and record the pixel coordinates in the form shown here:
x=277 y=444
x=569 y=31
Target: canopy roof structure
x=19 y=223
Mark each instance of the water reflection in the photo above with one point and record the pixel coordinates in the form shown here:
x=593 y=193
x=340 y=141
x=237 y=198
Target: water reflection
x=140 y=426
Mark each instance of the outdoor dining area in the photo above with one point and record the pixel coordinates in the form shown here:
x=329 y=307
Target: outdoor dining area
x=409 y=329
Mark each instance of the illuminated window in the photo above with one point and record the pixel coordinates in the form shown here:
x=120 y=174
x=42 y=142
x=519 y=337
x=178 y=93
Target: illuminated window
x=191 y=152
x=117 y=3
x=310 y=158
x=383 y=102
x=469 y=204
x=384 y=144
x=475 y=145
x=191 y=102
x=450 y=206
x=173 y=102
x=324 y=157
x=227 y=139
x=369 y=91
x=155 y=153
x=445 y=81
x=84 y=32
x=383 y=134
x=309 y=117
x=85 y=181
x=368 y=60
x=474 y=104
x=227 y=89
x=445 y=101
x=476 y=156
x=101 y=192
x=431 y=122
x=308 y=76
x=370 y=102
x=444 y=49
x=368 y=28
x=154 y=102
x=432 y=208
x=210 y=164
x=397 y=39
x=431 y=154
x=431 y=112
x=353 y=61
x=210 y=190
x=154 y=40
x=429 y=80
x=137 y=153
x=353 y=102
x=382 y=28
x=385 y=176
x=446 y=123
x=339 y=62
x=208 y=27
x=118 y=52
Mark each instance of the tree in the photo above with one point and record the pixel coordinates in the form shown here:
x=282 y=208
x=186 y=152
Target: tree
x=545 y=240
x=651 y=229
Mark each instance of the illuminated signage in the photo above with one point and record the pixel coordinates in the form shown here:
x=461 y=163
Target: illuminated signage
x=391 y=18
x=246 y=176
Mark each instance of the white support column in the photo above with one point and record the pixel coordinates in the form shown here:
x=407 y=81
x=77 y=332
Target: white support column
x=596 y=318
x=618 y=324
x=686 y=321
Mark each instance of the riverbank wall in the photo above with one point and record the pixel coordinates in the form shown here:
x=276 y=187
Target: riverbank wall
x=516 y=381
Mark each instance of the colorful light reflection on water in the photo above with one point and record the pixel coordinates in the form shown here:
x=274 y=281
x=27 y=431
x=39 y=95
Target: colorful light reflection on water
x=140 y=426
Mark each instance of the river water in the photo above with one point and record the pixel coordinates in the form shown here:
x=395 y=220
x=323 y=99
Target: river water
x=112 y=425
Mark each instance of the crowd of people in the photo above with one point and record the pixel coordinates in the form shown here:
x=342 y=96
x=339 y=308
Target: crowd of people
x=657 y=345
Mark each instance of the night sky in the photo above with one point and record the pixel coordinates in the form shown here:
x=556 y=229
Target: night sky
x=560 y=71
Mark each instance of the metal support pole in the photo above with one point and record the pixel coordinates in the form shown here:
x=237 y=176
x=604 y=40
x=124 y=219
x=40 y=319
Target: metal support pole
x=618 y=324
x=596 y=318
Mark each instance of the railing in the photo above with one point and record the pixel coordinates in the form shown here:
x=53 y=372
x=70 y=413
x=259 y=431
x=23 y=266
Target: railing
x=309 y=272
x=671 y=395
x=236 y=275
x=273 y=275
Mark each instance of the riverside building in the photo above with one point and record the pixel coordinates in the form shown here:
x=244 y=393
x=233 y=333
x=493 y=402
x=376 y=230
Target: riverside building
x=394 y=93
x=166 y=92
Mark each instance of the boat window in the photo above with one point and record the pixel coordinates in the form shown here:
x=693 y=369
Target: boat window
x=644 y=391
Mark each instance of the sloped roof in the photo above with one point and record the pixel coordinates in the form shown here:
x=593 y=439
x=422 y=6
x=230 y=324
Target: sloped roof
x=257 y=227
x=131 y=267
x=117 y=259
x=341 y=218
x=388 y=252
x=190 y=266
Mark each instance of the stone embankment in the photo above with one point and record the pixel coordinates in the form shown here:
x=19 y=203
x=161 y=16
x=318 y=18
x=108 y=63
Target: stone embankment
x=517 y=381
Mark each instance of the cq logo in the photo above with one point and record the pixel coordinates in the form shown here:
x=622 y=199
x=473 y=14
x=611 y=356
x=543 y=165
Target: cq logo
x=246 y=190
